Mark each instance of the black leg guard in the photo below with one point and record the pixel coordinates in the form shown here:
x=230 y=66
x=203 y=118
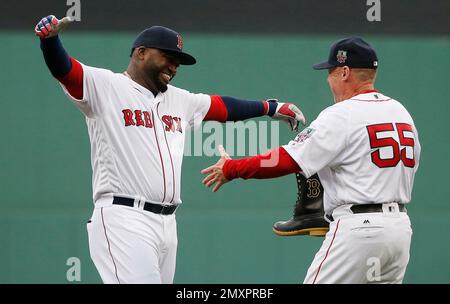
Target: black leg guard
x=308 y=217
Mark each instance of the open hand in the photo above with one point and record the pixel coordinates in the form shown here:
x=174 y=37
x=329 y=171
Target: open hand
x=215 y=173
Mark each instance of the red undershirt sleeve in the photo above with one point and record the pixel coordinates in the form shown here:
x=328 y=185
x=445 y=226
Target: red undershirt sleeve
x=217 y=111
x=274 y=163
x=73 y=81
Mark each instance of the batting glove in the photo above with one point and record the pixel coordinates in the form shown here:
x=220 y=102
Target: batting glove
x=289 y=113
x=50 y=26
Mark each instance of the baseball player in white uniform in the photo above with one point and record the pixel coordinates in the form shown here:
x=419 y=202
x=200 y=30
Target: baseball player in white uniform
x=365 y=149
x=137 y=122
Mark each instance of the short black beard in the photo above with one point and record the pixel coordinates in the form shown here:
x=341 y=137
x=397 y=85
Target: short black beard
x=155 y=78
x=162 y=87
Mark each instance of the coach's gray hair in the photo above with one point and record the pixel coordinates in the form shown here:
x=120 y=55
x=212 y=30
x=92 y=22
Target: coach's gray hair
x=365 y=75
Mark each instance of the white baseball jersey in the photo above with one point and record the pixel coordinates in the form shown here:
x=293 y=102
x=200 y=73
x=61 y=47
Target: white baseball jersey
x=137 y=139
x=137 y=144
x=365 y=150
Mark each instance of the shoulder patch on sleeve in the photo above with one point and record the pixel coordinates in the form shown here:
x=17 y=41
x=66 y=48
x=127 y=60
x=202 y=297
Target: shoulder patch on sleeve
x=304 y=135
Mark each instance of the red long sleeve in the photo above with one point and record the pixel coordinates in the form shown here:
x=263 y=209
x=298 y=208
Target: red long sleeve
x=274 y=163
x=73 y=81
x=217 y=111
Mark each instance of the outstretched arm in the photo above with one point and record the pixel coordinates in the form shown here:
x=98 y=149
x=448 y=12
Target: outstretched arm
x=272 y=164
x=225 y=108
x=66 y=69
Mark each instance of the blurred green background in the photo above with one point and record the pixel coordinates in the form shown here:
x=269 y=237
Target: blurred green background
x=45 y=175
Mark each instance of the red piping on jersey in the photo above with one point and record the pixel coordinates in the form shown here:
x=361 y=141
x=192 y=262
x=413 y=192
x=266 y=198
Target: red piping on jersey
x=170 y=155
x=369 y=100
x=217 y=110
x=73 y=81
x=328 y=251
x=160 y=156
x=368 y=91
x=372 y=100
x=109 y=246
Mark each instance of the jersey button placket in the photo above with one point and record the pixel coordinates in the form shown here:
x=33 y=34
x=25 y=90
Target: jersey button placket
x=166 y=154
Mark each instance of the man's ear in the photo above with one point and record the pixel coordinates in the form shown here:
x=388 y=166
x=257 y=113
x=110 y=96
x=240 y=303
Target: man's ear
x=140 y=53
x=345 y=73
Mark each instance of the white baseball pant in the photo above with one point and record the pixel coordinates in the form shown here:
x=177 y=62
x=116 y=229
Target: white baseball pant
x=132 y=246
x=363 y=248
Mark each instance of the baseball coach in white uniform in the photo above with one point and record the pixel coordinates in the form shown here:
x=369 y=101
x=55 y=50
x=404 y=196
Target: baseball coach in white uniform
x=365 y=149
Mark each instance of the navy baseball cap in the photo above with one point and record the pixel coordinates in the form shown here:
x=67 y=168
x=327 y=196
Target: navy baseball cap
x=353 y=52
x=165 y=39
